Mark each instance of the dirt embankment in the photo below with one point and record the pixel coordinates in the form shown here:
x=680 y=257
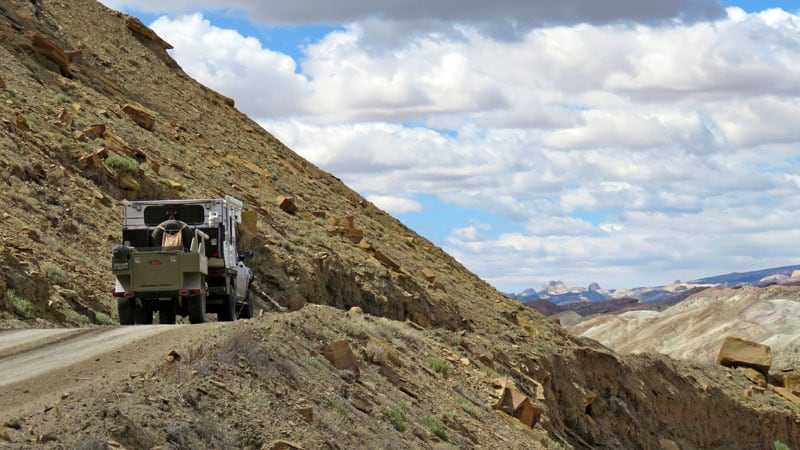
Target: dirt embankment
x=38 y=366
x=254 y=384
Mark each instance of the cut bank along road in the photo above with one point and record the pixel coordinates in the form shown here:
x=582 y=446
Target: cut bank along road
x=37 y=366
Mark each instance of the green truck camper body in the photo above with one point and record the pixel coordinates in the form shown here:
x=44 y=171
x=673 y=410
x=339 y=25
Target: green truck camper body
x=179 y=257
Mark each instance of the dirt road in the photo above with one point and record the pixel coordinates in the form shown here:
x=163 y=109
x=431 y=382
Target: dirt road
x=39 y=366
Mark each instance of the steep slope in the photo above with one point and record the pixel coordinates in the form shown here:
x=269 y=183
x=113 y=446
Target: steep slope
x=695 y=328
x=72 y=127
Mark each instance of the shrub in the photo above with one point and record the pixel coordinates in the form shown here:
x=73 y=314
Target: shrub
x=102 y=318
x=55 y=274
x=778 y=445
x=75 y=317
x=21 y=306
x=122 y=164
x=436 y=427
x=439 y=365
x=313 y=361
x=397 y=417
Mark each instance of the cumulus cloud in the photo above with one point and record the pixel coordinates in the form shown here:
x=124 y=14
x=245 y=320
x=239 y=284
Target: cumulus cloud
x=395 y=205
x=260 y=80
x=680 y=140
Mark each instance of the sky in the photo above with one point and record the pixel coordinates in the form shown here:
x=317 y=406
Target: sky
x=625 y=142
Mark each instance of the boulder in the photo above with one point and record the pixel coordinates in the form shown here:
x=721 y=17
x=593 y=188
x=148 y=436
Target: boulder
x=117 y=145
x=51 y=51
x=791 y=380
x=287 y=204
x=127 y=182
x=668 y=444
x=2 y=83
x=65 y=118
x=154 y=166
x=346 y=227
x=341 y=357
x=354 y=235
x=95 y=131
x=787 y=394
x=142 y=116
x=386 y=260
x=22 y=124
x=281 y=445
x=428 y=275
x=94 y=159
x=737 y=352
x=517 y=404
x=753 y=375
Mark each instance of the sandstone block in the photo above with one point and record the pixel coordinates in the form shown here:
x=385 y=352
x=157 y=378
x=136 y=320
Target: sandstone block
x=517 y=404
x=65 y=118
x=386 y=260
x=736 y=352
x=354 y=235
x=428 y=275
x=51 y=51
x=22 y=124
x=753 y=375
x=154 y=166
x=340 y=355
x=281 y=445
x=668 y=444
x=787 y=394
x=127 y=182
x=95 y=131
x=117 y=145
x=94 y=159
x=791 y=380
x=142 y=116
x=287 y=204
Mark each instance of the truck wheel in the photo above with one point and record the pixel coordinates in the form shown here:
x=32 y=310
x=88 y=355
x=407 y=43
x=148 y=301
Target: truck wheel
x=247 y=309
x=125 y=311
x=227 y=310
x=166 y=316
x=142 y=315
x=197 y=309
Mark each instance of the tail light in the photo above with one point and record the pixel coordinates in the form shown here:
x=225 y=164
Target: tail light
x=188 y=292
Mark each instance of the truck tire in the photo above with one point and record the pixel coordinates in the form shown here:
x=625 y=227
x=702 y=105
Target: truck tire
x=197 y=308
x=227 y=311
x=167 y=316
x=142 y=315
x=247 y=309
x=125 y=311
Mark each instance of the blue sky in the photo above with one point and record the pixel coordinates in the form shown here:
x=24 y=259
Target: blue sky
x=628 y=145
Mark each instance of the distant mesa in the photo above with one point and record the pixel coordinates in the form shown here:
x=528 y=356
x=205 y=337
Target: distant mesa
x=557 y=293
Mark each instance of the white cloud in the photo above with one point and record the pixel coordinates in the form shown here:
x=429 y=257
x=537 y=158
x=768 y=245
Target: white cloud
x=686 y=134
x=260 y=80
x=395 y=205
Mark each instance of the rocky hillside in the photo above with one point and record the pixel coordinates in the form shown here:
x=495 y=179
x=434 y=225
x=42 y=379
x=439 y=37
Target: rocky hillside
x=695 y=328
x=94 y=111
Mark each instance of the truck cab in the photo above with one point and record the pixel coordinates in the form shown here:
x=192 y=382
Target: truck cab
x=179 y=257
